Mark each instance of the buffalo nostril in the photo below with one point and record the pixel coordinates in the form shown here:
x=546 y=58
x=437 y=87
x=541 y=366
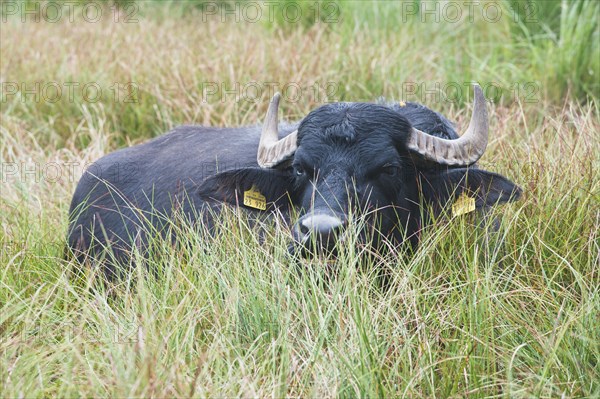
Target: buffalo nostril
x=303 y=228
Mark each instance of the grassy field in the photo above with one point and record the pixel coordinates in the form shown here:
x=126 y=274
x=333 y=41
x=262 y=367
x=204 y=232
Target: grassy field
x=232 y=317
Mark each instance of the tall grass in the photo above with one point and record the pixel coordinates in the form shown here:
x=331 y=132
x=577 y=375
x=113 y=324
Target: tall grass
x=514 y=314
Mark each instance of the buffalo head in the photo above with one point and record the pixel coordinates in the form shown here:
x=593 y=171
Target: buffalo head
x=370 y=159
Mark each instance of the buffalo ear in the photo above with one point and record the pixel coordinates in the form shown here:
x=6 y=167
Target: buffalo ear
x=274 y=185
x=439 y=188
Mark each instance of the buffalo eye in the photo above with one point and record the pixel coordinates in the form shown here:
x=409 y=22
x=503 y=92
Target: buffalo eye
x=299 y=171
x=389 y=170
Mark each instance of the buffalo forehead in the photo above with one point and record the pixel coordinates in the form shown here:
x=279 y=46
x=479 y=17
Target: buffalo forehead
x=346 y=123
x=363 y=153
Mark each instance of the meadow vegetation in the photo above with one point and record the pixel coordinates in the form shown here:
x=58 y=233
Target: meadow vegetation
x=467 y=315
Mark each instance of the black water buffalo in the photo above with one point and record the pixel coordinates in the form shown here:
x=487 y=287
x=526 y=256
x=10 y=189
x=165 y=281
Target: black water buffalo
x=395 y=163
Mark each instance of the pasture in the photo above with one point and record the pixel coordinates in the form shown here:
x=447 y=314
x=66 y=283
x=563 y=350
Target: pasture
x=515 y=314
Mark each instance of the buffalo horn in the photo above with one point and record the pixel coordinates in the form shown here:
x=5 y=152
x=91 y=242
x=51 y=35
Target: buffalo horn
x=271 y=150
x=463 y=151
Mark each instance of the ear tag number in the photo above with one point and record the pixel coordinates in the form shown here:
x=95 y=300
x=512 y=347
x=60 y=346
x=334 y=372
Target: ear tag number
x=254 y=199
x=463 y=204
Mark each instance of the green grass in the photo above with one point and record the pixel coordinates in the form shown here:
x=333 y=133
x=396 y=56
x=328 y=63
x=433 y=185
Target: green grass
x=512 y=315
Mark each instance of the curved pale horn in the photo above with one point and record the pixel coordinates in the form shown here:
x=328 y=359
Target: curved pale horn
x=463 y=151
x=271 y=150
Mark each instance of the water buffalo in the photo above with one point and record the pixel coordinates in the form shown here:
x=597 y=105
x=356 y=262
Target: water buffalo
x=396 y=163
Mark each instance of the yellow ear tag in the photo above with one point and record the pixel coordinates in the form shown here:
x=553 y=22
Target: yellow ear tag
x=463 y=204
x=254 y=199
